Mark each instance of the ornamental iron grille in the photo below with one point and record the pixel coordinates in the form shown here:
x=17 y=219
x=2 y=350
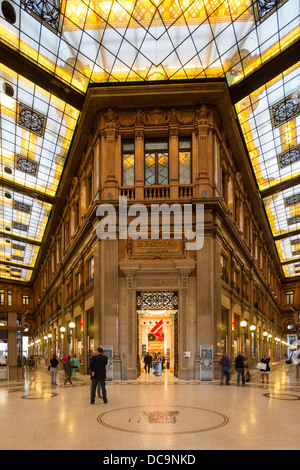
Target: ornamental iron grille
x=294 y=220
x=17 y=258
x=21 y=206
x=18 y=247
x=19 y=226
x=26 y=165
x=285 y=110
x=17 y=270
x=31 y=120
x=265 y=7
x=289 y=157
x=157 y=300
x=291 y=200
x=296 y=241
x=47 y=11
x=296 y=253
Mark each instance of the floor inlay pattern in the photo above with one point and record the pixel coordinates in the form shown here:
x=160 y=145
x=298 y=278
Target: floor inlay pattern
x=162 y=420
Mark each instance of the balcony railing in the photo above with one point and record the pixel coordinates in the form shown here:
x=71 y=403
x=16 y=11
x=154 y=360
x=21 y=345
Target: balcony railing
x=128 y=192
x=185 y=191
x=156 y=192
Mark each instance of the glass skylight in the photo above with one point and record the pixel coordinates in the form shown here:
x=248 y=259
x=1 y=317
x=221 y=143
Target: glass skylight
x=114 y=40
x=96 y=41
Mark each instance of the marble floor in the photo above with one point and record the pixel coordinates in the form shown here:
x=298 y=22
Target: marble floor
x=152 y=413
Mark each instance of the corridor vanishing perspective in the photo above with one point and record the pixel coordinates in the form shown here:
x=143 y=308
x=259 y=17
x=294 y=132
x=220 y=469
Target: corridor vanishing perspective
x=152 y=413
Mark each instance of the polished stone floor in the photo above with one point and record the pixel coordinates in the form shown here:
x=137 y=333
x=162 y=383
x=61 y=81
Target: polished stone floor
x=152 y=413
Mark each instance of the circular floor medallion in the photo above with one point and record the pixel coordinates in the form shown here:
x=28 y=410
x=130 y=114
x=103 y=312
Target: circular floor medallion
x=40 y=396
x=162 y=419
x=281 y=396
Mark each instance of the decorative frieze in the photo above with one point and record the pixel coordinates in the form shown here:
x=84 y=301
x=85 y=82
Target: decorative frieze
x=157 y=300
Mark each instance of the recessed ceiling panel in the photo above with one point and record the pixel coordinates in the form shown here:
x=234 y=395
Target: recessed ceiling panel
x=283 y=211
x=270 y=120
x=36 y=132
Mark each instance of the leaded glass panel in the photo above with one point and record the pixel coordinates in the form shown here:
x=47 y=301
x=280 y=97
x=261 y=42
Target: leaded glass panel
x=163 y=168
x=128 y=163
x=149 y=169
x=156 y=162
x=184 y=161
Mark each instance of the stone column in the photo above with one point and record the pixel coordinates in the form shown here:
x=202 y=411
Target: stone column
x=173 y=154
x=209 y=296
x=106 y=308
x=12 y=345
x=139 y=162
x=109 y=156
x=186 y=329
x=205 y=163
x=96 y=169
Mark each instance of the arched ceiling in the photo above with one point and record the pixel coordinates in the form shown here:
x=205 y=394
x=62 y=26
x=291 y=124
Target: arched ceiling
x=50 y=51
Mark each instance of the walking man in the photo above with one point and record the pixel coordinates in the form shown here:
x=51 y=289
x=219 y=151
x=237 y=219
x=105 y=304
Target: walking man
x=240 y=365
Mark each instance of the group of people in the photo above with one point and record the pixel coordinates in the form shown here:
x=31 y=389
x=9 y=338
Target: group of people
x=97 y=366
x=240 y=366
x=71 y=365
x=148 y=359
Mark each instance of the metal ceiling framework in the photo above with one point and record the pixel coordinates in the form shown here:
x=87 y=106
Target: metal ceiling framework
x=52 y=50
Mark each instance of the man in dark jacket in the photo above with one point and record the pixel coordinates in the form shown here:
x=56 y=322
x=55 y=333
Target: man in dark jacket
x=147 y=361
x=98 y=374
x=239 y=365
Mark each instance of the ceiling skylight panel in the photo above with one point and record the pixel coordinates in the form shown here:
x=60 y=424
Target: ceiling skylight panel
x=288 y=248
x=288 y=14
x=281 y=209
x=291 y=269
x=127 y=53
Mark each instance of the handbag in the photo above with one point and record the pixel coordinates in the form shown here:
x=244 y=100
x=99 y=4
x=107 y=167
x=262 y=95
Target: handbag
x=247 y=376
x=261 y=366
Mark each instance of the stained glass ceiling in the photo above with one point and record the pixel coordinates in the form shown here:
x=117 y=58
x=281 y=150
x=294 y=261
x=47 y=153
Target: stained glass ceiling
x=74 y=43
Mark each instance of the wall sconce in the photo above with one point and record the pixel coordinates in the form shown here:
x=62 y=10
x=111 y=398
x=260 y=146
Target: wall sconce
x=45 y=337
x=252 y=327
x=243 y=323
x=62 y=329
x=71 y=324
x=265 y=333
x=49 y=335
x=269 y=335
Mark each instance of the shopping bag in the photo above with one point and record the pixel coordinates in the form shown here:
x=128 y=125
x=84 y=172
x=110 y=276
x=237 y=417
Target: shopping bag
x=261 y=366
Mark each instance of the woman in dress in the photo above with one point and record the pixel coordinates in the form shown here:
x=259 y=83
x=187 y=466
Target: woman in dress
x=265 y=373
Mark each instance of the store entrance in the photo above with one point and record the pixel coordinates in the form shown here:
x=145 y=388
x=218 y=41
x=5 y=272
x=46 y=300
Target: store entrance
x=158 y=331
x=156 y=336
